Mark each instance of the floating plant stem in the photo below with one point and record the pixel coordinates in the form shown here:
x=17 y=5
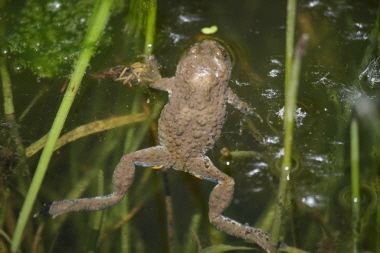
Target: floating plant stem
x=377 y=187
x=291 y=90
x=150 y=26
x=41 y=92
x=286 y=163
x=9 y=111
x=97 y=220
x=7 y=87
x=85 y=130
x=289 y=46
x=96 y=25
x=192 y=243
x=4 y=202
x=355 y=184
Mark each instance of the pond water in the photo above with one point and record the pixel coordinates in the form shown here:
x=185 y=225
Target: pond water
x=339 y=83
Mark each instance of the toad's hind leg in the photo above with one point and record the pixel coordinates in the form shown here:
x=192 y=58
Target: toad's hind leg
x=220 y=199
x=122 y=180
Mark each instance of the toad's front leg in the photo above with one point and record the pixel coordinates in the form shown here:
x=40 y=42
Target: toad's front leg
x=242 y=106
x=220 y=199
x=122 y=180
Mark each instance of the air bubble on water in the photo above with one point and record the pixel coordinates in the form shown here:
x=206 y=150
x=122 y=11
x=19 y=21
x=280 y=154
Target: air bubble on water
x=276 y=62
x=5 y=50
x=313 y=200
x=54 y=6
x=299 y=115
x=272 y=140
x=276 y=69
x=280 y=113
x=274 y=73
x=18 y=67
x=270 y=93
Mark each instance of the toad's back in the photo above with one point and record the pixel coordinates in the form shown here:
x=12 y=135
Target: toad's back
x=193 y=118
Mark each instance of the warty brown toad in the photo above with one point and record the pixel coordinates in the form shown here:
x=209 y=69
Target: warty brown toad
x=189 y=125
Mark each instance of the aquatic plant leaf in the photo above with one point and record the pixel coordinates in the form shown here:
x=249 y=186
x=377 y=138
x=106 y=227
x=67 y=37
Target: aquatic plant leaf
x=47 y=35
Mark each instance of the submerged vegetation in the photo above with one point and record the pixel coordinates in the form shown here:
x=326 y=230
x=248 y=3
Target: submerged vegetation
x=320 y=193
x=47 y=36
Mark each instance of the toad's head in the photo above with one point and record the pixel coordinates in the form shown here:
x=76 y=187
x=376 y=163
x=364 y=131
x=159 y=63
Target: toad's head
x=204 y=65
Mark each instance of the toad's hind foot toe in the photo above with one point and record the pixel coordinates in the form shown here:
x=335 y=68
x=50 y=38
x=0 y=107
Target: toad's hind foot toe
x=44 y=210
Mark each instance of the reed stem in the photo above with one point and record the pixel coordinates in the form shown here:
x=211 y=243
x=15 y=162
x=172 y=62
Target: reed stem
x=355 y=184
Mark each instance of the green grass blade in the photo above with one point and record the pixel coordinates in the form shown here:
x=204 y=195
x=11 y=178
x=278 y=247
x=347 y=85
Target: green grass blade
x=289 y=46
x=377 y=187
x=150 y=27
x=191 y=239
x=9 y=111
x=355 y=185
x=286 y=163
x=291 y=90
x=97 y=218
x=6 y=85
x=96 y=26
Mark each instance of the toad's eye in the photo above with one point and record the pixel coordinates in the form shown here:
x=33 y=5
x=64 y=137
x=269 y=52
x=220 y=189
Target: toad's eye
x=221 y=53
x=193 y=50
x=224 y=53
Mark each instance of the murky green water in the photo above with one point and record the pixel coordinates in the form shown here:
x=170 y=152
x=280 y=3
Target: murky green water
x=339 y=82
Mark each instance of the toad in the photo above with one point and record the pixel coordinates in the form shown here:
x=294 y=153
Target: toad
x=189 y=125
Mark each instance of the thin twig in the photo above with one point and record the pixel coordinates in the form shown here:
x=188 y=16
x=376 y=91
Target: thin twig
x=37 y=238
x=85 y=130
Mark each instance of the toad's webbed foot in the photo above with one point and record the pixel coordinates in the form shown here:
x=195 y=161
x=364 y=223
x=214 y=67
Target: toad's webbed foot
x=139 y=72
x=45 y=210
x=146 y=72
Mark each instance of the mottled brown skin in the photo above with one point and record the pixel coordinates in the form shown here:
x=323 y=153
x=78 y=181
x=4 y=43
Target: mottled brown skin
x=189 y=125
